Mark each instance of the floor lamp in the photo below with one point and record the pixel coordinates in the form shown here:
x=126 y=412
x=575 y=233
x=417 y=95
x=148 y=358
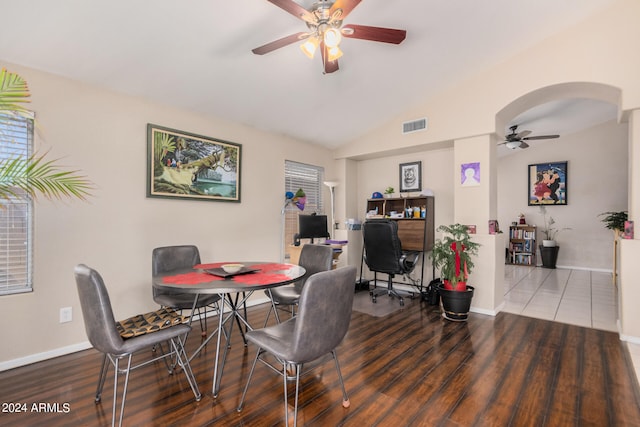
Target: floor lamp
x=332 y=185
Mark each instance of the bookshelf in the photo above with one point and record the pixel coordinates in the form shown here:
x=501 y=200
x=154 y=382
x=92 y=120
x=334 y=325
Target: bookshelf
x=522 y=245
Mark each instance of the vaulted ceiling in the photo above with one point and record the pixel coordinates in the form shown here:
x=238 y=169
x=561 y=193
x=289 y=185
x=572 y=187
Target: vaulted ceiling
x=197 y=55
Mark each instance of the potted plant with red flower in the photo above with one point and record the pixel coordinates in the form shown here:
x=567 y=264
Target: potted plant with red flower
x=452 y=255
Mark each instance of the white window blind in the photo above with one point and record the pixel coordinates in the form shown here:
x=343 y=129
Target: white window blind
x=16 y=222
x=310 y=179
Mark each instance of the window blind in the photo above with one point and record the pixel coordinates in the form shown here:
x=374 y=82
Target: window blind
x=310 y=179
x=16 y=213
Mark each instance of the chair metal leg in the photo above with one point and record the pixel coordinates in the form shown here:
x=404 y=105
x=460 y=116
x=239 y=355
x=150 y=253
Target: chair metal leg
x=246 y=387
x=115 y=389
x=183 y=361
x=297 y=367
x=345 y=398
x=102 y=378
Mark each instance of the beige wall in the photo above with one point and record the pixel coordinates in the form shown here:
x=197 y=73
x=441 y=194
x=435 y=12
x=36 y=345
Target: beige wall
x=596 y=183
x=600 y=51
x=104 y=134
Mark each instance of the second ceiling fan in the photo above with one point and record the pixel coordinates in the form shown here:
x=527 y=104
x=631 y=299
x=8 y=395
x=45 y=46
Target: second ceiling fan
x=324 y=21
x=518 y=139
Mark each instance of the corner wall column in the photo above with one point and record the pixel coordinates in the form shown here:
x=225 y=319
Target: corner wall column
x=629 y=288
x=475 y=203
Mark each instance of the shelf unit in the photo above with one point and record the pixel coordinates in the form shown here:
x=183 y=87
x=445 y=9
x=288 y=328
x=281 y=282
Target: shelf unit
x=522 y=245
x=415 y=233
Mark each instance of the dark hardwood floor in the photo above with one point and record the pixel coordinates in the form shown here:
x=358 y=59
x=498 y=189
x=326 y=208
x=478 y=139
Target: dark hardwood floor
x=410 y=368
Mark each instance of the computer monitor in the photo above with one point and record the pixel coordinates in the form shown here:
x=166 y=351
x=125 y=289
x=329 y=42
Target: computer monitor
x=312 y=227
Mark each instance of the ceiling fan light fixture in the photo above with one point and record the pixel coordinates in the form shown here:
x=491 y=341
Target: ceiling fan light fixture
x=333 y=53
x=512 y=144
x=332 y=37
x=309 y=46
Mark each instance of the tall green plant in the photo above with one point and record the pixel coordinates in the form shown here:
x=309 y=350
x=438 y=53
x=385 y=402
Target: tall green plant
x=614 y=220
x=456 y=243
x=35 y=175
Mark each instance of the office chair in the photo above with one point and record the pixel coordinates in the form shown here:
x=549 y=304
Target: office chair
x=383 y=254
x=167 y=258
x=321 y=323
x=314 y=258
x=119 y=340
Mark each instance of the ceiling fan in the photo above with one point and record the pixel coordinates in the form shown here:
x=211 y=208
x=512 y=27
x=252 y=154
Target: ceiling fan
x=517 y=139
x=324 y=21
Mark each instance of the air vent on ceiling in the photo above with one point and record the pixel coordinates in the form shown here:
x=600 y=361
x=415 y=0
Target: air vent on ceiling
x=414 y=126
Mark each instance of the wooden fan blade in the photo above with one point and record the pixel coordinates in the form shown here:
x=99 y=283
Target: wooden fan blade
x=522 y=134
x=524 y=144
x=346 y=5
x=530 y=138
x=376 y=34
x=295 y=9
x=277 y=44
x=329 y=66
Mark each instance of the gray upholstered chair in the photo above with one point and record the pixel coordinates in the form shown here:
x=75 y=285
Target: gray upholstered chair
x=314 y=258
x=167 y=258
x=321 y=323
x=106 y=336
x=383 y=254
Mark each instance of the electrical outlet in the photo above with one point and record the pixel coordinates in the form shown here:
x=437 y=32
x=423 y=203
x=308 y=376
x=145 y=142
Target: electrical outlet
x=66 y=314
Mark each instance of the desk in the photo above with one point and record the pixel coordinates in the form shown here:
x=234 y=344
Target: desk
x=196 y=281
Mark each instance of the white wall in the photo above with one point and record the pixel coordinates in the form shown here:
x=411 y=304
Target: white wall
x=104 y=134
x=596 y=183
x=378 y=174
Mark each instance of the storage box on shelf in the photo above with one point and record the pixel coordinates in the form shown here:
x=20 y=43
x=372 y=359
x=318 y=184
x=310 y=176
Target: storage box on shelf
x=522 y=245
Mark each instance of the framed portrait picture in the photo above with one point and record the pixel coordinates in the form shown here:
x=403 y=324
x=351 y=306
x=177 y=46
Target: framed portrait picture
x=547 y=184
x=411 y=176
x=182 y=165
x=470 y=174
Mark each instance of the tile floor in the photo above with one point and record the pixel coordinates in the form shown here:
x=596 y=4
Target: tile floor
x=578 y=297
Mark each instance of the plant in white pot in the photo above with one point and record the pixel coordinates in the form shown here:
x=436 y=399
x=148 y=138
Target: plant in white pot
x=549 y=230
x=452 y=255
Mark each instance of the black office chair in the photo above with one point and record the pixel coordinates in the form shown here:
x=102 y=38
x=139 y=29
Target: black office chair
x=321 y=324
x=169 y=258
x=383 y=254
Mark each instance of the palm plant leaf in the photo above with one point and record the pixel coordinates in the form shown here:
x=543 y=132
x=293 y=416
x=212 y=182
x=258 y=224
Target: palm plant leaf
x=37 y=176
x=34 y=175
x=14 y=93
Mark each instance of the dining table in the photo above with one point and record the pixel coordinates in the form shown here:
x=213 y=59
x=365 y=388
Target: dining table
x=234 y=290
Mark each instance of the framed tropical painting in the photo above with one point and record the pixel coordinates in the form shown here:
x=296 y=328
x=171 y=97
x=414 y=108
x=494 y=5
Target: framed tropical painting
x=182 y=165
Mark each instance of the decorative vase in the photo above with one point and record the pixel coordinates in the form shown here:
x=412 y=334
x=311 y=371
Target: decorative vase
x=549 y=243
x=456 y=304
x=549 y=256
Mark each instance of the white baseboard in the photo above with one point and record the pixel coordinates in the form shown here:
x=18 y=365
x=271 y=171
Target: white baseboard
x=39 y=357
x=56 y=352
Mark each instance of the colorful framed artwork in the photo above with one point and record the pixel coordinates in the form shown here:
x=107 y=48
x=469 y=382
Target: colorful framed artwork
x=182 y=165
x=470 y=174
x=410 y=177
x=547 y=184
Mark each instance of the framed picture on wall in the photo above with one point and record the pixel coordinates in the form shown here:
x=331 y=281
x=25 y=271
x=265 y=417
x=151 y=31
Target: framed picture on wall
x=411 y=176
x=182 y=165
x=547 y=184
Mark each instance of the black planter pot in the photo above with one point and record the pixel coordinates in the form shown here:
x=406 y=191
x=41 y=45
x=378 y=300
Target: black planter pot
x=456 y=304
x=549 y=255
